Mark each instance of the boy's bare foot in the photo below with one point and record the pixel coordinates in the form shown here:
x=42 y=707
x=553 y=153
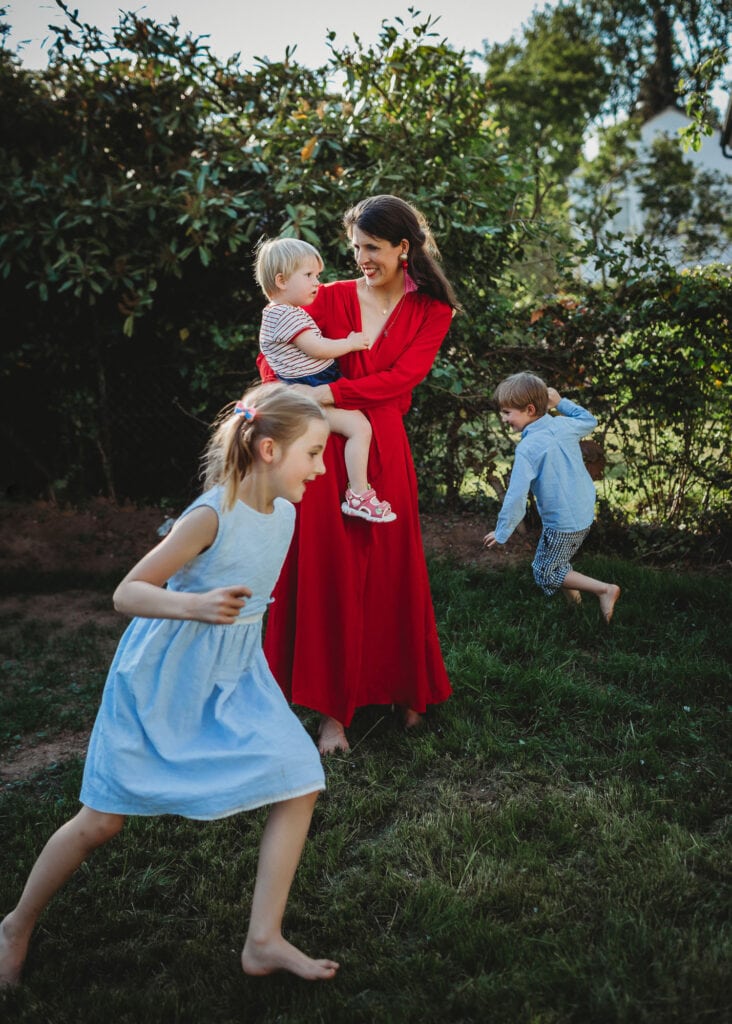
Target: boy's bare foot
x=331 y=736
x=607 y=601
x=572 y=596
x=259 y=958
x=412 y=719
x=12 y=956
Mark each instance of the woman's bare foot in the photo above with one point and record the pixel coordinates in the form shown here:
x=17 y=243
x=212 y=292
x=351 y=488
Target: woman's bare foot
x=412 y=719
x=331 y=736
x=572 y=596
x=259 y=958
x=607 y=601
x=12 y=955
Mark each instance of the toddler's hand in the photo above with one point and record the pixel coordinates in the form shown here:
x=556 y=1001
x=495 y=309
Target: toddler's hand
x=221 y=606
x=489 y=540
x=359 y=341
x=554 y=398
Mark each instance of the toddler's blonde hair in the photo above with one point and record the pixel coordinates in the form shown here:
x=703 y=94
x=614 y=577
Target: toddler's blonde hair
x=281 y=256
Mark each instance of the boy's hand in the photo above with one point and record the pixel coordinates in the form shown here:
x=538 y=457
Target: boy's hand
x=490 y=539
x=359 y=341
x=554 y=398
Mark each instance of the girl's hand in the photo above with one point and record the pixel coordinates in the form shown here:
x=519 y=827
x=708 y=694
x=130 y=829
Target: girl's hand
x=221 y=606
x=554 y=398
x=489 y=540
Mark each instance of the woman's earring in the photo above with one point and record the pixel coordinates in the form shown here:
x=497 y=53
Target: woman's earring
x=403 y=259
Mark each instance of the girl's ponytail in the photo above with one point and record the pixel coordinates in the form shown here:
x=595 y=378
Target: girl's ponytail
x=269 y=410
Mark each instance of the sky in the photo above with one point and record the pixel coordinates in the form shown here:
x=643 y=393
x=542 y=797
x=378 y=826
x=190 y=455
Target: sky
x=257 y=28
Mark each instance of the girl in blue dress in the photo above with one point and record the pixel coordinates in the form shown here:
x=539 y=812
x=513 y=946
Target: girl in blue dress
x=192 y=721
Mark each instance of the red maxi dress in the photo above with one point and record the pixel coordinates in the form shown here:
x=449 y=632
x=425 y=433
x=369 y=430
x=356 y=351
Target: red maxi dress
x=352 y=622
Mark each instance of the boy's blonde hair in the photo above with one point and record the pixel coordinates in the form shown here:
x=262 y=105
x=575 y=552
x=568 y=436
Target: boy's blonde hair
x=281 y=256
x=520 y=390
x=269 y=410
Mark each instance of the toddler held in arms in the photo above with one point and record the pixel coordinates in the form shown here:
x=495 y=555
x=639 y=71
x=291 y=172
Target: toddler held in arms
x=288 y=270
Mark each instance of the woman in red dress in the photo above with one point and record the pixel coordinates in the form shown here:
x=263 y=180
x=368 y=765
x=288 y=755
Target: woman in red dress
x=352 y=623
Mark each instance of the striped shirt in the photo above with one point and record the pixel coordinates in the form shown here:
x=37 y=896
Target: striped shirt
x=281 y=324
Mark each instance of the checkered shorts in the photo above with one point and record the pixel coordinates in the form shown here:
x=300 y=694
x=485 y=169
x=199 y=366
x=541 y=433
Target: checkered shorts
x=552 y=560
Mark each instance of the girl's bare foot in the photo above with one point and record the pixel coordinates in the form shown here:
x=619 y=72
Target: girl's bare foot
x=412 y=718
x=607 y=601
x=331 y=736
x=572 y=596
x=259 y=958
x=12 y=955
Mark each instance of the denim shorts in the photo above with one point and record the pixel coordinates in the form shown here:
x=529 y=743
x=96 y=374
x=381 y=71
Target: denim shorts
x=327 y=376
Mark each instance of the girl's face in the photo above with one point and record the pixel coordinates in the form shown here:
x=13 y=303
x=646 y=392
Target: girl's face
x=301 y=287
x=293 y=467
x=377 y=259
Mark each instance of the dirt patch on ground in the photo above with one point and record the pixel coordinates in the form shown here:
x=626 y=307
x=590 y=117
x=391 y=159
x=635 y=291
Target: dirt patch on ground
x=108 y=538
x=33 y=754
x=104 y=538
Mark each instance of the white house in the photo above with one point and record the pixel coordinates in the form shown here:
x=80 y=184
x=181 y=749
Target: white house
x=627 y=197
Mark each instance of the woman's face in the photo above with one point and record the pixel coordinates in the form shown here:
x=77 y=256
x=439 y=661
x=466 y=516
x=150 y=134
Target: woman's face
x=377 y=259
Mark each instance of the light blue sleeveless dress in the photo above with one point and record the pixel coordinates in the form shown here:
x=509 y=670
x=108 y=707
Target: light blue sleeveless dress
x=192 y=721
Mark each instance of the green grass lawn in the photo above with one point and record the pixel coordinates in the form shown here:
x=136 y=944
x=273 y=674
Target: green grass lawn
x=553 y=847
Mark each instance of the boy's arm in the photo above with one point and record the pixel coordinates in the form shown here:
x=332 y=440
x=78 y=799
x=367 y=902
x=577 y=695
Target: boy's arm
x=513 y=509
x=313 y=344
x=582 y=420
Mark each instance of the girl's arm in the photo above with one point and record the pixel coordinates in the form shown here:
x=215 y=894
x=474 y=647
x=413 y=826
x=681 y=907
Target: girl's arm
x=318 y=347
x=142 y=591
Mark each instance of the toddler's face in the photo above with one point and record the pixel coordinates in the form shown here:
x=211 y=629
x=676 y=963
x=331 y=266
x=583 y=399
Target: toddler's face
x=302 y=286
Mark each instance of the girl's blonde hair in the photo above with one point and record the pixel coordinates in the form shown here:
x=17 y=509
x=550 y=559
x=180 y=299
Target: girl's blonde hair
x=269 y=410
x=520 y=390
x=281 y=256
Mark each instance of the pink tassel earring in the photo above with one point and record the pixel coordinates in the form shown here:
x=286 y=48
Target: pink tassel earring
x=409 y=282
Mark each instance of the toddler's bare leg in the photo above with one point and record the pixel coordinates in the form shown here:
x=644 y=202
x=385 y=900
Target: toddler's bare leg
x=606 y=593
x=356 y=429
x=266 y=950
x=67 y=848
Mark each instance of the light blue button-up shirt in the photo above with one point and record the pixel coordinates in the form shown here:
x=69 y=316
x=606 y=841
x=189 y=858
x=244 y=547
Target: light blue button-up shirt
x=549 y=464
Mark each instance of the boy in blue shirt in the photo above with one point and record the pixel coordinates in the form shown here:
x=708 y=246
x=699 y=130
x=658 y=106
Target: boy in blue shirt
x=549 y=464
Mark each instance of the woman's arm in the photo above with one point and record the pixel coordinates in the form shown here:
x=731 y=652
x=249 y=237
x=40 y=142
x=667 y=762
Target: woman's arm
x=142 y=592
x=407 y=371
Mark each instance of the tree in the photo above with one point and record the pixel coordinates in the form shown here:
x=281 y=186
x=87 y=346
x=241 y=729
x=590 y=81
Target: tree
x=133 y=214
x=547 y=88
x=652 y=45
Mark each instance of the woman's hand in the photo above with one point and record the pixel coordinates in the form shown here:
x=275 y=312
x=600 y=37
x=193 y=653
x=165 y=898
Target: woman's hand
x=322 y=394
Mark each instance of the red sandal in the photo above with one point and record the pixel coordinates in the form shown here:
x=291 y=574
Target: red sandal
x=367 y=506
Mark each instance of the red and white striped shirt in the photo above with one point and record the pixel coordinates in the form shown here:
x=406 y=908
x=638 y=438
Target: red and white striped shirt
x=281 y=324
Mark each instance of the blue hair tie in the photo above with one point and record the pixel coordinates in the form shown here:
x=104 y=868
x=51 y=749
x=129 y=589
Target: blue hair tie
x=247 y=411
